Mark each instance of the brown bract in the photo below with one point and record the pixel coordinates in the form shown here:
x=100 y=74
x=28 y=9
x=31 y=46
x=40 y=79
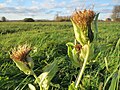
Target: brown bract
x=78 y=47
x=20 y=53
x=83 y=18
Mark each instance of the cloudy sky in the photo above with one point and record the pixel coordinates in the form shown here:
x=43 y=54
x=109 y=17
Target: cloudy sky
x=47 y=9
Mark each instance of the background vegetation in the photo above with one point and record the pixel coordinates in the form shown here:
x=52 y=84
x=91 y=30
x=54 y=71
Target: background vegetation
x=48 y=40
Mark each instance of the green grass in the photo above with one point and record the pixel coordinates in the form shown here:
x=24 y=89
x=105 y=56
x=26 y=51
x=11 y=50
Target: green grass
x=49 y=40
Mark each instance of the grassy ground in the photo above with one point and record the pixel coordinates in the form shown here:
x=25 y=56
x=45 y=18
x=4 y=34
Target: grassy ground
x=48 y=40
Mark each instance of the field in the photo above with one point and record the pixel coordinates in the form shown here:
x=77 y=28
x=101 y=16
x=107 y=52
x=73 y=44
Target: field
x=48 y=40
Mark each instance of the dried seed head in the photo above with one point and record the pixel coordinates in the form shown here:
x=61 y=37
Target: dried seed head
x=20 y=53
x=83 y=18
x=22 y=60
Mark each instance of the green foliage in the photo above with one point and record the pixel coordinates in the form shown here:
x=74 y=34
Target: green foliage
x=48 y=73
x=72 y=54
x=3 y=19
x=49 y=43
x=96 y=26
x=72 y=86
x=114 y=83
x=31 y=87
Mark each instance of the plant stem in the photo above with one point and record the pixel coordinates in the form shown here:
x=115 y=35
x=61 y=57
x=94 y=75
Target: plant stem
x=83 y=68
x=37 y=79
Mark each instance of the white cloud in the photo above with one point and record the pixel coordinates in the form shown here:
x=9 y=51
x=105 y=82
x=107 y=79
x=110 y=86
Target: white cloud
x=51 y=7
x=34 y=2
x=46 y=4
x=105 y=11
x=105 y=5
x=8 y=1
x=116 y=1
x=75 y=1
x=2 y=5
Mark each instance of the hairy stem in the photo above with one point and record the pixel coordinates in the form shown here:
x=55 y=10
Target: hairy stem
x=37 y=79
x=82 y=69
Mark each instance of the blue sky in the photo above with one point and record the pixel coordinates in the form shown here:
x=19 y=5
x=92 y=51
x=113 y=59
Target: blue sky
x=47 y=9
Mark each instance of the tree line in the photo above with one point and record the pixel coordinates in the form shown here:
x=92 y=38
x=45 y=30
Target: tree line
x=116 y=13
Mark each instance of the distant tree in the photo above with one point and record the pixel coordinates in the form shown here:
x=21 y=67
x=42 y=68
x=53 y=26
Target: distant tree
x=28 y=20
x=3 y=19
x=116 y=13
x=101 y=20
x=108 y=19
x=62 y=18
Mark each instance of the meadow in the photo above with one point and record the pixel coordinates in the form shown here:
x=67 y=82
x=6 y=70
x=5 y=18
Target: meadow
x=48 y=40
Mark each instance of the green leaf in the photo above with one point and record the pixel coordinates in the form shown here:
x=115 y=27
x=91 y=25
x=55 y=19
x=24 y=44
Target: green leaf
x=100 y=86
x=84 y=51
x=72 y=54
x=30 y=62
x=117 y=46
x=114 y=82
x=70 y=44
x=118 y=79
x=31 y=87
x=96 y=26
x=79 y=34
x=108 y=79
x=23 y=67
x=49 y=72
x=72 y=86
x=26 y=67
x=76 y=59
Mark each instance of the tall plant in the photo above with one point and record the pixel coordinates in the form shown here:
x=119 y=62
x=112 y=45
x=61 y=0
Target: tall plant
x=24 y=62
x=82 y=49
